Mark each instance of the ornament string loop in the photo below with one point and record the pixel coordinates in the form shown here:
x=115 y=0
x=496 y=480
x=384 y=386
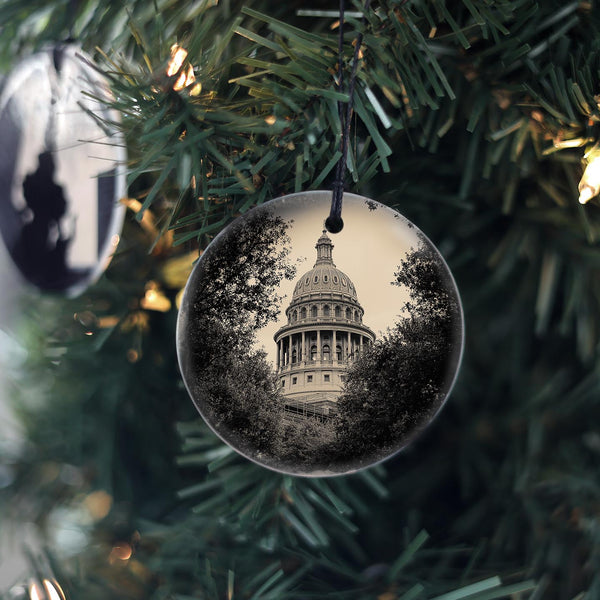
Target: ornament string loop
x=334 y=222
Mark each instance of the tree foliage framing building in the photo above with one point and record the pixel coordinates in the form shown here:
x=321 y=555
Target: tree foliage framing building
x=400 y=382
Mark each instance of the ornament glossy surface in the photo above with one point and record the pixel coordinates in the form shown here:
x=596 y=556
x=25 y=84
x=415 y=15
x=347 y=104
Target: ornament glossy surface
x=62 y=172
x=318 y=354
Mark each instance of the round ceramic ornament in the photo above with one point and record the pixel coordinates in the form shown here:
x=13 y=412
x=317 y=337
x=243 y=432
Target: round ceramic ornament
x=319 y=354
x=62 y=170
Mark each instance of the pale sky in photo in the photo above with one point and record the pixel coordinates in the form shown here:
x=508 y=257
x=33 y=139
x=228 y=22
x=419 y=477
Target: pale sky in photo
x=368 y=250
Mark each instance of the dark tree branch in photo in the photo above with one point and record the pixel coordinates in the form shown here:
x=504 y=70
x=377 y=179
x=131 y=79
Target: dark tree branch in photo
x=231 y=294
x=401 y=380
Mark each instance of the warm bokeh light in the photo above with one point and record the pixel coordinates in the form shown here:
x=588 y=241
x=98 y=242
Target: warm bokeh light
x=120 y=552
x=98 y=504
x=589 y=186
x=178 y=55
x=133 y=355
x=35 y=593
x=53 y=590
x=154 y=299
x=186 y=76
x=176 y=271
x=107 y=322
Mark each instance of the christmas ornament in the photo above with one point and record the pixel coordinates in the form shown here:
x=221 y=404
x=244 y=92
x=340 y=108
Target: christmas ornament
x=61 y=170
x=318 y=354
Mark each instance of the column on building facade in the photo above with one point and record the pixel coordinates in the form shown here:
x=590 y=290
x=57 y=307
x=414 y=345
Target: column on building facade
x=303 y=347
x=278 y=363
x=319 y=353
x=361 y=345
x=333 y=349
x=290 y=349
x=349 y=346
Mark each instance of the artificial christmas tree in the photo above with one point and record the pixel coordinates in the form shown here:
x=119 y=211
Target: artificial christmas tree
x=473 y=119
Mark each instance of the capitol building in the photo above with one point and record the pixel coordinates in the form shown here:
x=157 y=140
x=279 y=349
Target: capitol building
x=323 y=335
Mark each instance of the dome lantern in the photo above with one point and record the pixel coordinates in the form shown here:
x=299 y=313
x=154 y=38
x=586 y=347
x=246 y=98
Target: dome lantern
x=324 y=250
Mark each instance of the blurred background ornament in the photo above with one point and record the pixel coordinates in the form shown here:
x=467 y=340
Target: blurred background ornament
x=62 y=170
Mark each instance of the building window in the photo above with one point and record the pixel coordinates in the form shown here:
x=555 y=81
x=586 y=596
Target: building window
x=309 y=379
x=335 y=279
x=316 y=280
x=338 y=312
x=294 y=355
x=326 y=310
x=313 y=353
x=303 y=313
x=348 y=314
x=343 y=281
x=356 y=315
x=294 y=380
x=325 y=278
x=283 y=383
x=307 y=280
x=326 y=352
x=313 y=311
x=338 y=352
x=295 y=316
x=327 y=378
x=343 y=378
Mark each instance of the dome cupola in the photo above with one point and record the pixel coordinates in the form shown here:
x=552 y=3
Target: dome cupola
x=324 y=250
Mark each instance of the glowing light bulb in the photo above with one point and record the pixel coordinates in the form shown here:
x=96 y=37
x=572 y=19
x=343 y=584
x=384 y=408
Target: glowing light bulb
x=53 y=590
x=178 y=55
x=589 y=186
x=34 y=592
x=186 y=76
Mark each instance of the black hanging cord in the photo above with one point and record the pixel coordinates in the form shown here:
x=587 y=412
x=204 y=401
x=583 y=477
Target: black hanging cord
x=334 y=222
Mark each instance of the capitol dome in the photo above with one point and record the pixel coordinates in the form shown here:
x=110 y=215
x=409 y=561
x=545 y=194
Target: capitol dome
x=324 y=276
x=323 y=335
x=325 y=291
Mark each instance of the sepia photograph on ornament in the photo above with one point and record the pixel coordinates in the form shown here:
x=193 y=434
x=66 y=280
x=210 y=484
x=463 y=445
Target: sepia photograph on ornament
x=319 y=354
